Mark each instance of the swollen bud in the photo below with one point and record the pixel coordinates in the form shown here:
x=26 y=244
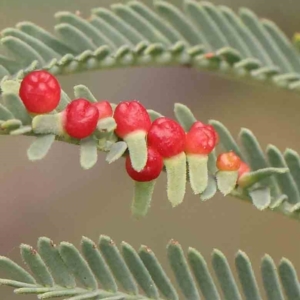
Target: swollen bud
x=133 y=123
x=168 y=138
x=200 y=141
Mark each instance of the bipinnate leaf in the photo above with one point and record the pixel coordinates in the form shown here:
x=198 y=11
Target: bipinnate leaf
x=130 y=274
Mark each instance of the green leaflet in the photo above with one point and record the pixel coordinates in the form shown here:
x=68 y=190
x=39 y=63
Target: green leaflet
x=153 y=114
x=142 y=197
x=72 y=35
x=59 y=271
x=145 y=28
x=77 y=265
x=96 y=37
x=88 y=153
x=40 y=147
x=139 y=271
x=205 y=24
x=36 y=265
x=285 y=181
x=117 y=264
x=44 y=51
x=261 y=197
x=226 y=138
x=225 y=277
x=14 y=104
x=184 y=116
x=157 y=273
x=289 y=279
x=24 y=53
x=116 y=151
x=202 y=275
x=210 y=190
x=226 y=181
x=180 y=23
x=158 y=23
x=107 y=125
x=251 y=178
x=247 y=277
x=98 y=265
x=271 y=279
x=258 y=30
x=181 y=271
x=13 y=270
x=81 y=91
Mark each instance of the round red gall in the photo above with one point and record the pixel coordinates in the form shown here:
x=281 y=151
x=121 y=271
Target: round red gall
x=244 y=168
x=152 y=169
x=104 y=108
x=131 y=116
x=167 y=136
x=80 y=118
x=40 y=92
x=228 y=161
x=201 y=139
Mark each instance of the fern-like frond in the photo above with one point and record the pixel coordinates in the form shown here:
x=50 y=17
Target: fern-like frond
x=267 y=186
x=102 y=271
x=199 y=35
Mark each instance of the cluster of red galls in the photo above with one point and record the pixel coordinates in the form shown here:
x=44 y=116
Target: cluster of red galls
x=41 y=92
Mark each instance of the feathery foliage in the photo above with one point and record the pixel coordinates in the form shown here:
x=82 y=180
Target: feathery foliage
x=199 y=35
x=265 y=186
x=102 y=271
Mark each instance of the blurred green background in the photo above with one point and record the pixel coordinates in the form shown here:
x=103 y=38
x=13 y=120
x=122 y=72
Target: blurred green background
x=56 y=198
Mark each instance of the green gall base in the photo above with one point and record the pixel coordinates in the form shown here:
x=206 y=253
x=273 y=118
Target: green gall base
x=176 y=178
x=142 y=197
x=226 y=181
x=46 y=124
x=198 y=172
x=137 y=146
